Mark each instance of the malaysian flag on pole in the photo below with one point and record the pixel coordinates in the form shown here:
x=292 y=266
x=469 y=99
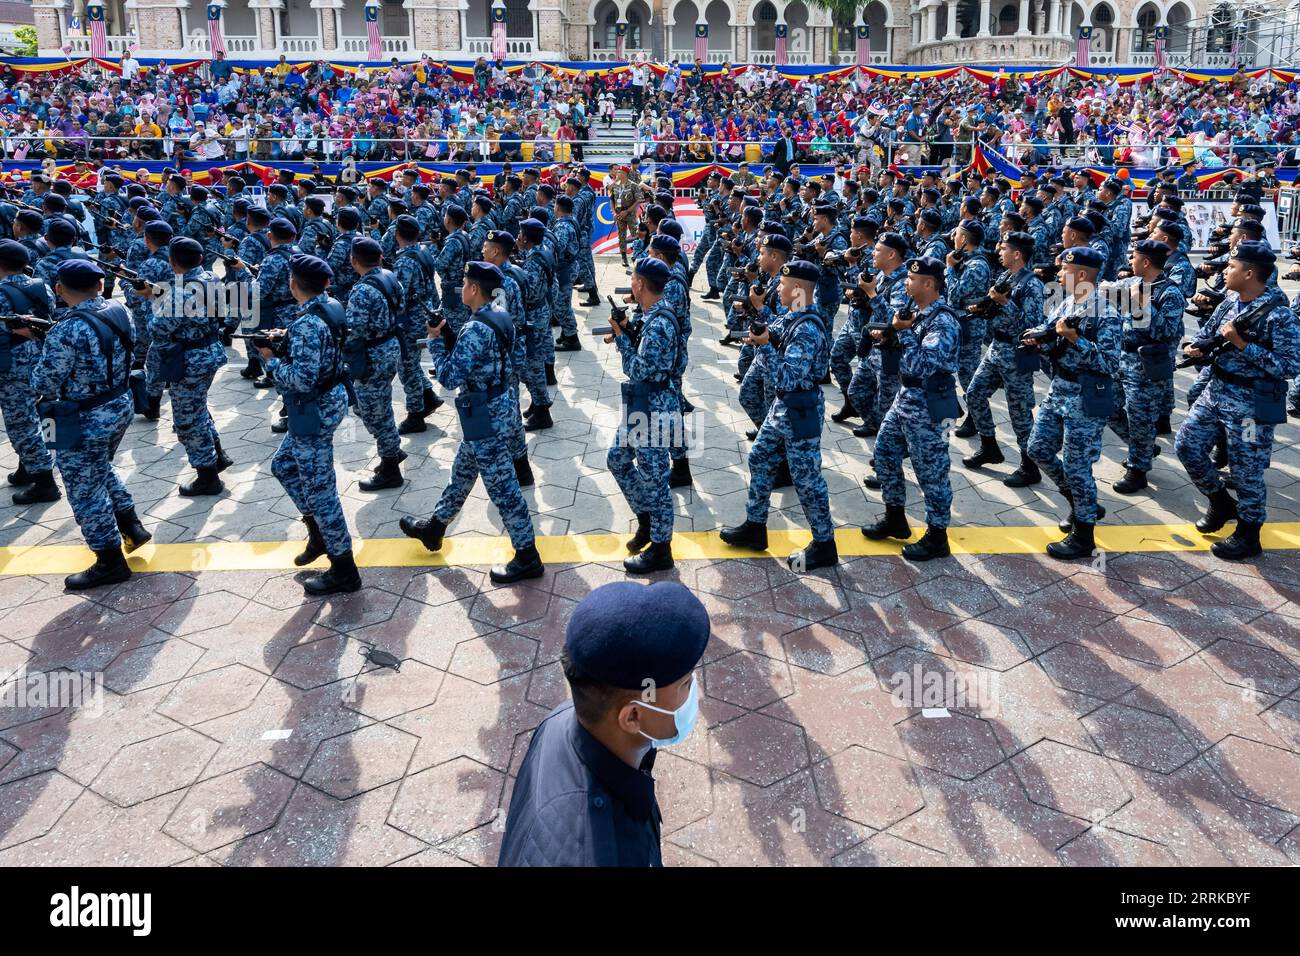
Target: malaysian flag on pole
x=863 y=34
x=1162 y=37
x=98 y=39
x=376 y=51
x=702 y=42
x=1236 y=48
x=498 y=32
x=1081 y=50
x=216 y=42
x=781 y=32
x=620 y=40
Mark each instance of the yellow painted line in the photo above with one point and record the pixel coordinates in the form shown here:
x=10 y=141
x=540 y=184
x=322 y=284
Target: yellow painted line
x=577 y=549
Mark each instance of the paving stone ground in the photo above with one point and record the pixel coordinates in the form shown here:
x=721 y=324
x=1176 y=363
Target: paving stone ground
x=1147 y=711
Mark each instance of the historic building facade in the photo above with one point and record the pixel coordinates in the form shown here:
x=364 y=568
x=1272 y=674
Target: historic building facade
x=900 y=31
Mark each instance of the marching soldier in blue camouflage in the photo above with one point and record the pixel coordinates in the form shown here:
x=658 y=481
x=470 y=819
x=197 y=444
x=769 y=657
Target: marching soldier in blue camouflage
x=480 y=214
x=270 y=288
x=425 y=213
x=450 y=265
x=850 y=334
x=497 y=249
x=711 y=203
x=1256 y=349
x=639 y=457
x=567 y=252
x=729 y=199
x=205 y=217
x=1147 y=364
x=151 y=262
x=875 y=381
x=279 y=203
x=340 y=254
x=376 y=206
x=587 y=200
x=1084 y=335
x=1119 y=210
x=308 y=372
x=757 y=393
x=1007 y=366
x=318 y=233
x=20 y=295
x=184 y=355
x=477 y=361
x=251 y=250
x=967 y=279
x=82 y=376
x=828 y=241
x=372 y=353
x=918 y=421
x=416 y=269
x=539 y=275
x=61 y=238
x=797 y=363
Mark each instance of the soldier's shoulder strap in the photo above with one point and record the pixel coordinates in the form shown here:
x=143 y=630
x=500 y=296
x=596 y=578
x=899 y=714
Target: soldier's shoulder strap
x=386 y=284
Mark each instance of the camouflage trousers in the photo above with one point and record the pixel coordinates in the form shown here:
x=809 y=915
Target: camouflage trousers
x=375 y=397
x=489 y=458
x=774 y=441
x=95 y=492
x=908 y=427
x=1228 y=408
x=305 y=467
x=1065 y=444
x=18 y=405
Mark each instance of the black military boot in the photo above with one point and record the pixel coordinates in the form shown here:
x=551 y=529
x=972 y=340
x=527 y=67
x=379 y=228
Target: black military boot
x=845 y=413
x=412 y=424
x=430 y=401
x=387 y=475
x=657 y=557
x=207 y=483
x=1067 y=525
x=153 y=408
x=252 y=370
x=866 y=431
x=966 y=429
x=783 y=478
x=892 y=524
x=524 y=472
x=712 y=294
x=639 y=540
x=749 y=534
x=989 y=453
x=342 y=577
x=1162 y=426
x=1132 y=482
x=42 y=489
x=428 y=531
x=539 y=420
x=550 y=374
x=1242 y=543
x=568 y=343
x=110 y=567
x=818 y=554
x=223 y=460
x=20 y=478
x=1219 y=454
x=134 y=534
x=933 y=544
x=281 y=423
x=1077 y=544
x=1222 y=510
x=315 y=543
x=1024 y=476
x=680 y=477
x=525 y=564
x=264 y=382
x=593 y=298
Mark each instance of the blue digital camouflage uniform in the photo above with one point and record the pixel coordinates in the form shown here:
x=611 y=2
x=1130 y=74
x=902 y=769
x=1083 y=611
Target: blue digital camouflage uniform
x=930 y=348
x=511 y=296
x=845 y=347
x=967 y=284
x=173 y=323
x=479 y=361
x=1120 y=213
x=304 y=464
x=997 y=369
x=377 y=214
x=872 y=389
x=716 y=256
x=539 y=270
x=18 y=359
x=270 y=289
x=47 y=265
x=72 y=366
x=340 y=260
x=313 y=232
x=798 y=366
x=756 y=392
x=1139 y=401
x=678 y=293
x=426 y=216
x=566 y=264
x=639 y=457
x=827 y=293
x=415 y=272
x=450 y=266
x=584 y=218
x=286 y=210
x=706 y=239
x=370 y=319
x=157 y=268
x=1061 y=426
x=1227 y=403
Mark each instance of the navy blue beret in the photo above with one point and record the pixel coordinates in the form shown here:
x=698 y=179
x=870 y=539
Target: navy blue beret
x=1154 y=250
x=671 y=227
x=278 y=189
x=654 y=270
x=1081 y=224
x=60 y=231
x=779 y=243
x=30 y=218
x=541 y=214
x=826 y=209
x=421 y=189
x=199 y=193
x=863 y=222
x=564 y=203
x=1022 y=241
x=396 y=202
x=501 y=238
x=159 y=231
x=1255 y=253
x=972 y=227
x=455 y=213
x=895 y=241
x=53 y=202
x=483 y=202
x=484 y=273
x=408 y=227
x=80 y=275
x=1033 y=202
x=1175 y=232
x=283 y=228
x=240 y=205
x=186 y=246
x=366 y=249
x=534 y=229
x=802 y=269
x=311 y=269
x=377 y=183
x=1252 y=226
x=625 y=634
x=926 y=266
x=13 y=254
x=931 y=217
x=1085 y=256
x=665 y=243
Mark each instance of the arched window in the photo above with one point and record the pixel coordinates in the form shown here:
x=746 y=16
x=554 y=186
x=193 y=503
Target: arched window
x=1009 y=20
x=764 y=27
x=1144 y=40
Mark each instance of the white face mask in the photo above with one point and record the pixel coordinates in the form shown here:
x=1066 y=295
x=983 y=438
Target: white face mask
x=684 y=718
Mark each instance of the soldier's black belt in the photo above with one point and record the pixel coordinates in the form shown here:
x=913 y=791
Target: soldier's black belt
x=381 y=338
x=1241 y=381
x=101 y=398
x=1000 y=336
x=1064 y=374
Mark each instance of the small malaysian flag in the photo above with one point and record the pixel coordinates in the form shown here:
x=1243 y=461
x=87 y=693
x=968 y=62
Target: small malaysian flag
x=1162 y=37
x=216 y=41
x=499 y=32
x=863 y=33
x=98 y=38
x=620 y=40
x=780 y=44
x=376 y=42
x=1081 y=51
x=702 y=42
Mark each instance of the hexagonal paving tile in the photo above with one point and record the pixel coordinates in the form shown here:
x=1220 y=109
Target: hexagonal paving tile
x=445 y=801
x=1073 y=781
x=1136 y=737
x=868 y=787
x=153 y=767
x=747 y=680
x=758 y=748
x=361 y=760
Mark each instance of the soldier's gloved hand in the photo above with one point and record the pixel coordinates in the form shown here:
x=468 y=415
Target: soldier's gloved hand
x=1229 y=332
x=1067 y=331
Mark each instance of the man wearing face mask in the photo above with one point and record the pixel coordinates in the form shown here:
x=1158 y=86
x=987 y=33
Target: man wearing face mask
x=585 y=795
